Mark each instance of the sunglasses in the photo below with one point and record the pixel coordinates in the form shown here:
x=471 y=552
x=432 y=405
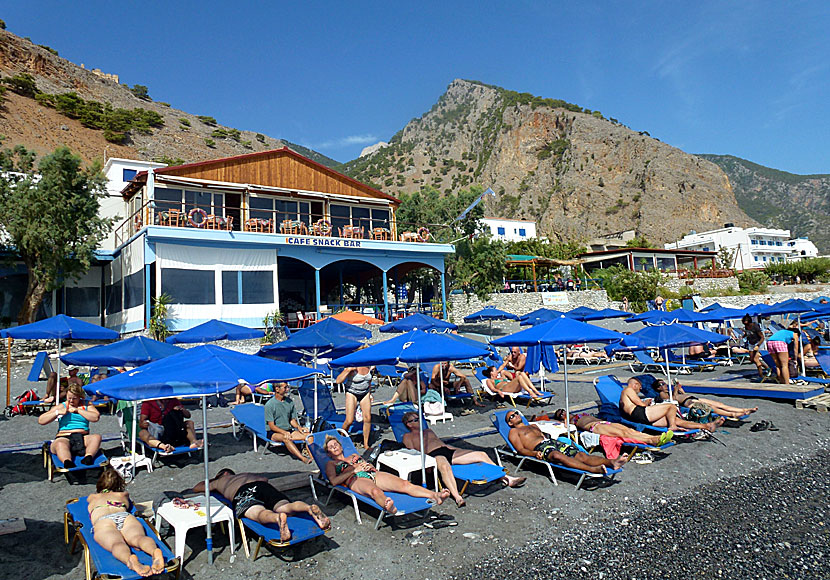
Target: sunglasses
x=510 y=416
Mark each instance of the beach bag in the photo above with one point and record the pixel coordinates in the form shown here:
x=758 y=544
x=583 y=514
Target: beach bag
x=699 y=413
x=436 y=408
x=321 y=425
x=175 y=432
x=19 y=409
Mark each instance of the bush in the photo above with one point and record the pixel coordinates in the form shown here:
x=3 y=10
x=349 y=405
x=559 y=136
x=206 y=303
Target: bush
x=807 y=270
x=184 y=122
x=22 y=84
x=260 y=137
x=141 y=92
x=753 y=281
x=620 y=282
x=207 y=120
x=210 y=142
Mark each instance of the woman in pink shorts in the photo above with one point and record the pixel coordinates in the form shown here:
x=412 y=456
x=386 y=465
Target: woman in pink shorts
x=778 y=346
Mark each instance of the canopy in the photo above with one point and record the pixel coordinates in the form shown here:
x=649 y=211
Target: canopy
x=490 y=313
x=562 y=330
x=352 y=317
x=580 y=313
x=215 y=330
x=663 y=317
x=756 y=309
x=539 y=316
x=415 y=346
x=132 y=352
x=313 y=342
x=418 y=321
x=60 y=327
x=607 y=313
x=201 y=370
x=333 y=327
x=721 y=314
x=791 y=306
x=712 y=306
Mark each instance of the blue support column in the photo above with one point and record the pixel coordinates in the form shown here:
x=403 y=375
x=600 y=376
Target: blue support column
x=385 y=298
x=147 y=294
x=340 y=272
x=317 y=289
x=444 y=293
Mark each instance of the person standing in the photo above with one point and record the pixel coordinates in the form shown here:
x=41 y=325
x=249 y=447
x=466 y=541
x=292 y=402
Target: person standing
x=358 y=381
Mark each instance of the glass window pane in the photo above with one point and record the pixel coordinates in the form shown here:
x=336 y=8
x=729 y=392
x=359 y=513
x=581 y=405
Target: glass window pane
x=134 y=290
x=83 y=301
x=340 y=211
x=188 y=286
x=261 y=203
x=165 y=194
x=230 y=287
x=219 y=204
x=113 y=297
x=12 y=291
x=257 y=287
x=128 y=174
x=204 y=199
x=380 y=218
x=261 y=214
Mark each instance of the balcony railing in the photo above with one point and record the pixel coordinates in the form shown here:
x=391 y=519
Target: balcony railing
x=230 y=218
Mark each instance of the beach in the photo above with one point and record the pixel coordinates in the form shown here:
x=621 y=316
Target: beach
x=744 y=503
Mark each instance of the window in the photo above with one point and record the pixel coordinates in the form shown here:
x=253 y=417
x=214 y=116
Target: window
x=522 y=232
x=754 y=242
x=167 y=199
x=112 y=294
x=128 y=174
x=501 y=231
x=257 y=287
x=369 y=218
x=134 y=290
x=272 y=208
x=212 y=203
x=765 y=258
x=756 y=258
x=189 y=286
x=83 y=301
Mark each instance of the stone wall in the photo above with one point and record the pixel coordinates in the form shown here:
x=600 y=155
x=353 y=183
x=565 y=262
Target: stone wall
x=520 y=303
x=702 y=284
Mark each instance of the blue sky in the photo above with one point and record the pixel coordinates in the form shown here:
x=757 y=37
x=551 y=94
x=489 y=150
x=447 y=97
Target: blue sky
x=750 y=79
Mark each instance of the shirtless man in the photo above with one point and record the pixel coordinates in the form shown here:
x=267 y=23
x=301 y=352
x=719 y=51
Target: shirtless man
x=633 y=408
x=254 y=498
x=685 y=399
x=514 y=363
x=52 y=381
x=443 y=373
x=446 y=456
x=586 y=422
x=529 y=440
x=406 y=391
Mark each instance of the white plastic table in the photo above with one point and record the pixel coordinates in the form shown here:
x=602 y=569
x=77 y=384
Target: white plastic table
x=553 y=428
x=183 y=520
x=406 y=462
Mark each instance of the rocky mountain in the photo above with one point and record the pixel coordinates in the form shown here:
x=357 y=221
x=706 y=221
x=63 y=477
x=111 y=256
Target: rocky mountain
x=799 y=203
x=575 y=172
x=41 y=121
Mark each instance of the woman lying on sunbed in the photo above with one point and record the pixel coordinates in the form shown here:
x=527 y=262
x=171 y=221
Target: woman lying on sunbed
x=116 y=529
x=810 y=350
x=587 y=422
x=501 y=385
x=359 y=475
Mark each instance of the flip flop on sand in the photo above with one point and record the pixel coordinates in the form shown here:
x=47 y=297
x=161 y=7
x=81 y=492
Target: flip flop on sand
x=665 y=437
x=760 y=426
x=438 y=524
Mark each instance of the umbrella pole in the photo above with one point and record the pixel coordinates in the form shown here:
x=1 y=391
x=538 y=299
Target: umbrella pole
x=8 y=371
x=801 y=345
x=567 y=395
x=135 y=420
x=668 y=374
x=315 y=388
x=441 y=377
x=209 y=540
x=58 y=383
x=421 y=424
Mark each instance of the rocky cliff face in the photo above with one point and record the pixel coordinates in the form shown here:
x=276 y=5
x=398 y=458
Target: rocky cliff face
x=576 y=173
x=799 y=203
x=184 y=136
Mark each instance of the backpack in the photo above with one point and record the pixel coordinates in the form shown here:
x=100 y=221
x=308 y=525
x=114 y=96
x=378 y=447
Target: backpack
x=699 y=413
x=19 y=409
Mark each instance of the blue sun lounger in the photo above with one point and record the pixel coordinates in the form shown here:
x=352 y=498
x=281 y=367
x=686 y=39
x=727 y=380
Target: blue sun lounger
x=250 y=418
x=507 y=450
x=303 y=528
x=547 y=396
x=405 y=504
x=648 y=364
x=478 y=473
x=609 y=389
x=125 y=420
x=54 y=465
x=325 y=407
x=95 y=556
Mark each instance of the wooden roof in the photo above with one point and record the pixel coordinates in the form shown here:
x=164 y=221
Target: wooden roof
x=282 y=168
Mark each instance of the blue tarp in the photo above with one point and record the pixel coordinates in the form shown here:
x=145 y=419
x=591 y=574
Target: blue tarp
x=134 y=351
x=60 y=326
x=202 y=370
x=215 y=330
x=417 y=321
x=415 y=346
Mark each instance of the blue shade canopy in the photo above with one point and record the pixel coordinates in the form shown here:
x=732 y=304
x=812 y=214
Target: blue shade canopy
x=562 y=330
x=721 y=314
x=132 y=352
x=491 y=356
x=580 y=313
x=791 y=306
x=663 y=317
x=490 y=313
x=821 y=311
x=333 y=327
x=712 y=306
x=607 y=313
x=670 y=336
x=415 y=346
x=215 y=330
x=60 y=326
x=756 y=309
x=201 y=370
x=312 y=342
x=539 y=316
x=417 y=321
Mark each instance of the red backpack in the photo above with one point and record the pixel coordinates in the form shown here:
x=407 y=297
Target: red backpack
x=20 y=409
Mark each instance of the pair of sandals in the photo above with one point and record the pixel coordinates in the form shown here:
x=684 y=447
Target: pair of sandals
x=763 y=426
x=436 y=522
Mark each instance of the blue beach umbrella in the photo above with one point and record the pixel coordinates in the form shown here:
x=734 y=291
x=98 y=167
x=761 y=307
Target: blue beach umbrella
x=539 y=316
x=313 y=343
x=580 y=313
x=668 y=336
x=795 y=306
x=721 y=314
x=414 y=347
x=417 y=321
x=199 y=371
x=60 y=327
x=333 y=327
x=607 y=313
x=132 y=352
x=664 y=317
x=213 y=330
x=756 y=309
x=560 y=331
x=712 y=306
x=490 y=313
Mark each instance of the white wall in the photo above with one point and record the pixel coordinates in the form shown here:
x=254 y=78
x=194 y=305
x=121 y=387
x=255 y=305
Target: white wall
x=512 y=229
x=113 y=205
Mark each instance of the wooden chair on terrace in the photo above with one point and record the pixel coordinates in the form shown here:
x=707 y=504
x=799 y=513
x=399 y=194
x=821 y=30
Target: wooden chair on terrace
x=171 y=217
x=218 y=222
x=294 y=227
x=409 y=237
x=381 y=234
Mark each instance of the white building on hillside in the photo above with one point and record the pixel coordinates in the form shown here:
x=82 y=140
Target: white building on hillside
x=119 y=173
x=753 y=247
x=509 y=230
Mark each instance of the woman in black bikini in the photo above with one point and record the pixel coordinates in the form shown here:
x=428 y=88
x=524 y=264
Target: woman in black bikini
x=116 y=529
